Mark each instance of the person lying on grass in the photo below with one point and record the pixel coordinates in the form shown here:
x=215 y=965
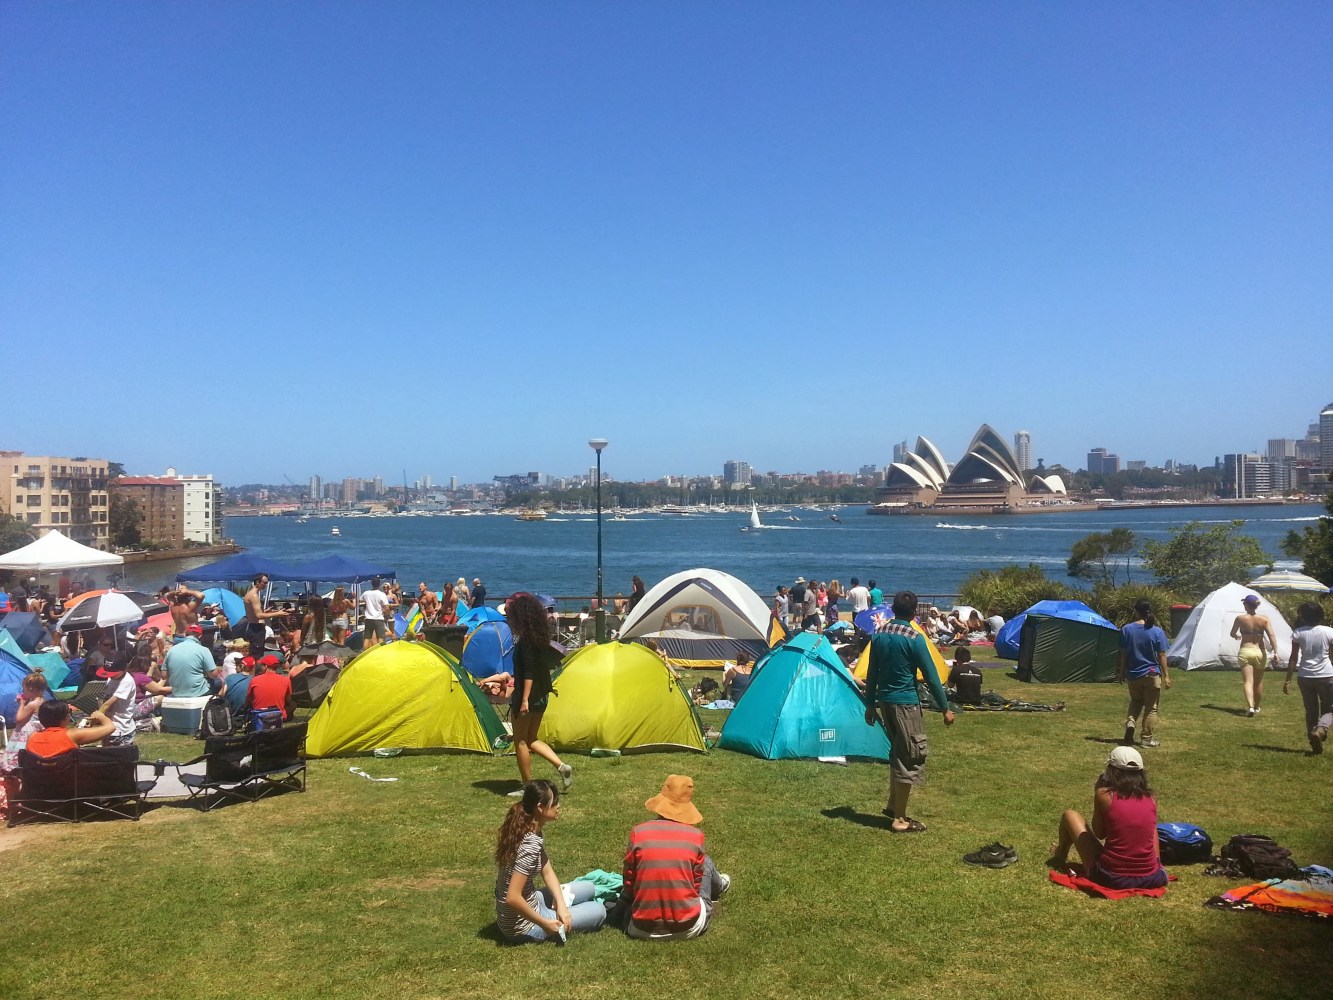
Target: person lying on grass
x=522 y=913
x=1120 y=850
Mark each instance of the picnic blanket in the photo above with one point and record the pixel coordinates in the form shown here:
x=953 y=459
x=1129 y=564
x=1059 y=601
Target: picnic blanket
x=1073 y=878
x=1286 y=897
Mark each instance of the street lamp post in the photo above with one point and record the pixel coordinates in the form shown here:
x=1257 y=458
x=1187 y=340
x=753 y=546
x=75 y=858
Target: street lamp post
x=597 y=444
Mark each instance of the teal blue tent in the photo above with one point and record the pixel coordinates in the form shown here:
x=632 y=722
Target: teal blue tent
x=802 y=702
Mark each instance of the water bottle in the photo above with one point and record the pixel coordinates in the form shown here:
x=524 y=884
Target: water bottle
x=603 y=752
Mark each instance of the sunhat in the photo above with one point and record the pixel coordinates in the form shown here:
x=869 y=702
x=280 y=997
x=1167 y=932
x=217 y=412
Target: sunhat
x=676 y=800
x=1126 y=759
x=800 y=579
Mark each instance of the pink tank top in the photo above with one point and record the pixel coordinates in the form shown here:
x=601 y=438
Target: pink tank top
x=1131 y=837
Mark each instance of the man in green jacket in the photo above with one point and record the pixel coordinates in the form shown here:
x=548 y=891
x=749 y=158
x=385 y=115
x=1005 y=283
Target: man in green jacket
x=897 y=653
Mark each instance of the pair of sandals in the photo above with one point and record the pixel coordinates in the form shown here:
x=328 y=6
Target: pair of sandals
x=913 y=825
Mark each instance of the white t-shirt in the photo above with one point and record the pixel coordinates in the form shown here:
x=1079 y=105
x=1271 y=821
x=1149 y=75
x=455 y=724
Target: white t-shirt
x=231 y=663
x=375 y=601
x=121 y=712
x=1313 y=642
x=860 y=598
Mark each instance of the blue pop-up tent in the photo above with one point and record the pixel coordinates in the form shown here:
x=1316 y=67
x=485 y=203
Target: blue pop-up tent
x=802 y=702
x=1007 y=639
x=12 y=671
x=1060 y=642
x=489 y=650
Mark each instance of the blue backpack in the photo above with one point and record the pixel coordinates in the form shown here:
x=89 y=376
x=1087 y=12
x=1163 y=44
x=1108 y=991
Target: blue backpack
x=1183 y=843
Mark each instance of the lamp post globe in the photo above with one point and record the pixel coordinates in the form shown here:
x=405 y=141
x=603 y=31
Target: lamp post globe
x=599 y=618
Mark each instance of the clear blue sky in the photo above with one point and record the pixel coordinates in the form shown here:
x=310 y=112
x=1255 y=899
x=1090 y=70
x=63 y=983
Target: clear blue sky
x=259 y=239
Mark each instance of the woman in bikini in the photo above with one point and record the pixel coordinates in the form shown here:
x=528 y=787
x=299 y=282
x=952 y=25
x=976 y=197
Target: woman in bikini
x=1251 y=629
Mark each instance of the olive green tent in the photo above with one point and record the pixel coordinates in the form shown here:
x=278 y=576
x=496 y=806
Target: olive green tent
x=411 y=695
x=1054 y=650
x=619 y=696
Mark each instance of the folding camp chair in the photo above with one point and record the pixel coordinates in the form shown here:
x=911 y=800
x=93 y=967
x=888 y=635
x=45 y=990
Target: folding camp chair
x=248 y=767
x=78 y=785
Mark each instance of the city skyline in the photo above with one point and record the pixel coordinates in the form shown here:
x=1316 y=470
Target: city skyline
x=702 y=232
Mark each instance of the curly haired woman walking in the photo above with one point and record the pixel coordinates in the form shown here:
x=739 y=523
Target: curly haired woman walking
x=533 y=657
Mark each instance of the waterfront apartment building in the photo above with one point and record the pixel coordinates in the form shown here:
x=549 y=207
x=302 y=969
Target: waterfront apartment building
x=736 y=473
x=1326 y=440
x=175 y=509
x=1246 y=475
x=48 y=492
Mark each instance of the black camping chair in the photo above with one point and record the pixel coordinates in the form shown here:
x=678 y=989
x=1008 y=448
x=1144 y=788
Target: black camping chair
x=248 y=767
x=78 y=785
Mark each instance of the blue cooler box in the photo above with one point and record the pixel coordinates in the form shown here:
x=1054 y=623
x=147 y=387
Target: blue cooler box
x=181 y=715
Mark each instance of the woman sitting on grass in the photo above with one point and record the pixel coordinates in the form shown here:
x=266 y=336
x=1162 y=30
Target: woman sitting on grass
x=522 y=913
x=1120 y=851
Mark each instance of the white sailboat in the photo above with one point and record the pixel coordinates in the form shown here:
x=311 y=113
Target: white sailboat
x=754 y=524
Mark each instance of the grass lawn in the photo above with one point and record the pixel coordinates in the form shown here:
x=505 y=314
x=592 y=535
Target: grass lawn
x=364 y=890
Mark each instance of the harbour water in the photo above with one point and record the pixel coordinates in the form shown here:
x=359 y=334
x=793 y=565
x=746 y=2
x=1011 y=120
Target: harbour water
x=931 y=555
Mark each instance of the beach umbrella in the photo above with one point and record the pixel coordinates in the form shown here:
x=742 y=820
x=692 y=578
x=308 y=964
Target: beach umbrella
x=546 y=601
x=1288 y=580
x=326 y=648
x=230 y=602
x=871 y=619
x=115 y=607
x=163 y=623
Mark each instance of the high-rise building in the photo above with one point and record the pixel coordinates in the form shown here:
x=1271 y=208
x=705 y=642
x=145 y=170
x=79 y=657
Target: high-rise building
x=1023 y=450
x=316 y=490
x=736 y=473
x=1102 y=463
x=453 y=483
x=379 y=486
x=65 y=493
x=427 y=482
x=351 y=489
x=1326 y=439
x=1280 y=448
x=175 y=509
x=1246 y=475
x=901 y=450
x=1137 y=465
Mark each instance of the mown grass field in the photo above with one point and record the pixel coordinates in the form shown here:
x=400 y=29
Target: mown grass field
x=363 y=890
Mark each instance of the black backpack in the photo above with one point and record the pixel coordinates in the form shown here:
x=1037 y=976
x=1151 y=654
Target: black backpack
x=215 y=719
x=1260 y=857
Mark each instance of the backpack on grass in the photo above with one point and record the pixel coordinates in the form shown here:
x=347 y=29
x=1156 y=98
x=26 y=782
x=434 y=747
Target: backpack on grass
x=215 y=719
x=1260 y=857
x=1183 y=843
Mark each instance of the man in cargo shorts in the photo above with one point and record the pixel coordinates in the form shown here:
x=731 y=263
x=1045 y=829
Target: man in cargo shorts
x=897 y=653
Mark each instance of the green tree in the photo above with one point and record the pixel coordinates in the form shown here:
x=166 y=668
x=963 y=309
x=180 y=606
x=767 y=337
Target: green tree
x=1313 y=546
x=123 y=521
x=1097 y=556
x=1197 y=560
x=1117 y=603
x=14 y=533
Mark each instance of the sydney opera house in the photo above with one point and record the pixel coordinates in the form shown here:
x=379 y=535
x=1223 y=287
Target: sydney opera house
x=986 y=477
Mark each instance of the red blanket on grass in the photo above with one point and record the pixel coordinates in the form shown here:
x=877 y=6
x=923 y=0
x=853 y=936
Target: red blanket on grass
x=1073 y=878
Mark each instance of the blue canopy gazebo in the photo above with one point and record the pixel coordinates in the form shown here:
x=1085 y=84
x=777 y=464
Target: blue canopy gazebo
x=244 y=566
x=341 y=569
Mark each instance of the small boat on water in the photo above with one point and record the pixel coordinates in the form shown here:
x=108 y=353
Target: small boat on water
x=755 y=524
x=531 y=515
x=334 y=531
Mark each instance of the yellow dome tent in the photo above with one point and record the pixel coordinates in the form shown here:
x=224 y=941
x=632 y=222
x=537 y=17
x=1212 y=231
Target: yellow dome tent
x=619 y=696
x=412 y=695
x=941 y=668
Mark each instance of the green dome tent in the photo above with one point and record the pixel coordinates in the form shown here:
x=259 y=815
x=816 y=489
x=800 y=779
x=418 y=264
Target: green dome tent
x=620 y=696
x=802 y=702
x=412 y=695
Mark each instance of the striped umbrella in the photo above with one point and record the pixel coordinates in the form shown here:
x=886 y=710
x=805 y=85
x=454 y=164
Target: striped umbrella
x=115 y=607
x=1290 y=581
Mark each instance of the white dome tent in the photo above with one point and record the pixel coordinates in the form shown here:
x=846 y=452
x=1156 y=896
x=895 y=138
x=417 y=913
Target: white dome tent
x=1205 y=642
x=700 y=618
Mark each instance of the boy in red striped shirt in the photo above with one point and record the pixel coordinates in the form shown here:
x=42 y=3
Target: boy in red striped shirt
x=670 y=883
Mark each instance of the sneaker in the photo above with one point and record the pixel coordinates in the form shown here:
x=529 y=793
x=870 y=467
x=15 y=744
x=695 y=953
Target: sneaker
x=1257 y=711
x=1316 y=744
x=561 y=936
x=992 y=856
x=1150 y=741
x=566 y=775
x=1250 y=713
x=724 y=888
x=1129 y=736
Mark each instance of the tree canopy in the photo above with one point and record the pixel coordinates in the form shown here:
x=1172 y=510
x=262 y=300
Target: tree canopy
x=1314 y=546
x=1196 y=560
x=1097 y=557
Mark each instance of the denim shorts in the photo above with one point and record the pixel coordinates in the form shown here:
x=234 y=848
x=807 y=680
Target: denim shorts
x=1111 y=880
